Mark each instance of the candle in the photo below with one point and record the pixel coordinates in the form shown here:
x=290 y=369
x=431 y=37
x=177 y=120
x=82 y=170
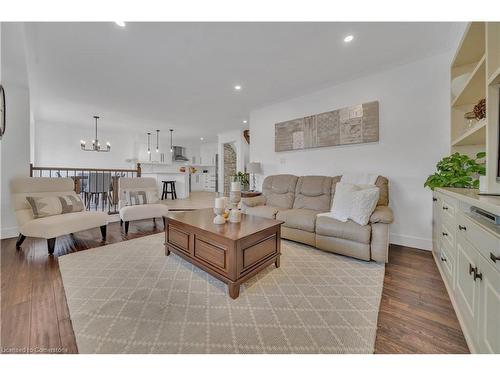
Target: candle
x=220 y=203
x=235 y=186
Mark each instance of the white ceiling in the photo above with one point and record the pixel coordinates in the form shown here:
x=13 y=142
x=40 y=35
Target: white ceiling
x=181 y=75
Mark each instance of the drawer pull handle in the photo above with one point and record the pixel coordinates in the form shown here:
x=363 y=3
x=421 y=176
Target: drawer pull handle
x=494 y=258
x=434 y=199
x=462 y=227
x=443 y=259
x=472 y=270
x=478 y=275
x=445 y=234
x=445 y=208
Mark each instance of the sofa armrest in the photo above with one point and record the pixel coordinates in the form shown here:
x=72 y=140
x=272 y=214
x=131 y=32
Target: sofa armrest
x=382 y=214
x=253 y=201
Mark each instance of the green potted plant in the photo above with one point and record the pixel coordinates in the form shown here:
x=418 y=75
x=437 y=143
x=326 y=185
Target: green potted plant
x=458 y=171
x=243 y=179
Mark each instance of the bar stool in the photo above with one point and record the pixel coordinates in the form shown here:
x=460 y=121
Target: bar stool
x=166 y=191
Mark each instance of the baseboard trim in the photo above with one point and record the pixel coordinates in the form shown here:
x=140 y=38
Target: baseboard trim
x=411 y=241
x=8 y=232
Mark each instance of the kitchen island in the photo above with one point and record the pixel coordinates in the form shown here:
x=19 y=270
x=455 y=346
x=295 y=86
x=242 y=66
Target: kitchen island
x=166 y=173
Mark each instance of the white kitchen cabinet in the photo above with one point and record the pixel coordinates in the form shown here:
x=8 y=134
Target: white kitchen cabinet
x=489 y=313
x=467 y=291
x=467 y=259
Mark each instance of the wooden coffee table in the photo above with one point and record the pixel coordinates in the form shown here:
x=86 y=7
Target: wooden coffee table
x=231 y=252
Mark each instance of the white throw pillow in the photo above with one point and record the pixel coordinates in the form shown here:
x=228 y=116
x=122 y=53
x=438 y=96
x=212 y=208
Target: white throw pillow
x=342 y=201
x=363 y=204
x=355 y=202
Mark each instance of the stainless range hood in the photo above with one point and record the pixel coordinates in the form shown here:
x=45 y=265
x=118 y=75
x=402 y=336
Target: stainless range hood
x=179 y=154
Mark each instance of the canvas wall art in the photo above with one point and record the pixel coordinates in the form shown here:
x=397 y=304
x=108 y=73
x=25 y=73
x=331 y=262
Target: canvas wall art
x=350 y=125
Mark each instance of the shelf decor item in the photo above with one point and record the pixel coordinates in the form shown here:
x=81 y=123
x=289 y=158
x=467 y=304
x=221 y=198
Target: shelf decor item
x=458 y=171
x=470 y=120
x=480 y=109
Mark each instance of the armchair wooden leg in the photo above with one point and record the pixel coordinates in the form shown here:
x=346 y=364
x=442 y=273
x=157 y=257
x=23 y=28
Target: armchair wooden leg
x=51 y=245
x=20 y=241
x=103 y=232
x=121 y=222
x=126 y=227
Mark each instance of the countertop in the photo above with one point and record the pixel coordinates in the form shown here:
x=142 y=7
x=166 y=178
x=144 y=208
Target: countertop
x=471 y=196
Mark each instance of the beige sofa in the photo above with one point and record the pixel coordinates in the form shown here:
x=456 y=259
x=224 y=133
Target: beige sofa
x=50 y=227
x=298 y=200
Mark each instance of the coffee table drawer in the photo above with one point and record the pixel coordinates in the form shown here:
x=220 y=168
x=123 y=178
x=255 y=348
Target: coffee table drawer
x=210 y=253
x=178 y=238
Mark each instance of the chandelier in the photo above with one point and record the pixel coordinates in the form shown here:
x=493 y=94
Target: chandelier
x=96 y=146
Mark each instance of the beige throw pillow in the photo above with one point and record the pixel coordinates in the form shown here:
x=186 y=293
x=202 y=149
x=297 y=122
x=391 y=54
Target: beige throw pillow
x=55 y=205
x=135 y=197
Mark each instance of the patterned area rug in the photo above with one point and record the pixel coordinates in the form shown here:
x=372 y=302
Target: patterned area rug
x=129 y=298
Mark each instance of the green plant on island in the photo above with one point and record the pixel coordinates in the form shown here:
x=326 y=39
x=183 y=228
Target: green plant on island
x=458 y=171
x=242 y=178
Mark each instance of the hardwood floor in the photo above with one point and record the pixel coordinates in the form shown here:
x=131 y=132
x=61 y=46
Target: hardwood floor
x=416 y=315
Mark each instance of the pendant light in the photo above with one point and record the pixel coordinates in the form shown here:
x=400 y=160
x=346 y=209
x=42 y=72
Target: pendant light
x=157 y=140
x=96 y=146
x=171 y=140
x=149 y=146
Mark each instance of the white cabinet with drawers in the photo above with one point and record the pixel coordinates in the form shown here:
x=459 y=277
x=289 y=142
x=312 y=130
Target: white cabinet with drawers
x=467 y=251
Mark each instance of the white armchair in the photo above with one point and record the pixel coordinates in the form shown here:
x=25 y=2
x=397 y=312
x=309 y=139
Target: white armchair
x=150 y=209
x=50 y=227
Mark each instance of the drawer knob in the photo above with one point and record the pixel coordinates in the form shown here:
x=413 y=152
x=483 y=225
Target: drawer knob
x=445 y=234
x=434 y=199
x=477 y=275
x=445 y=208
x=471 y=269
x=494 y=258
x=443 y=259
x=462 y=227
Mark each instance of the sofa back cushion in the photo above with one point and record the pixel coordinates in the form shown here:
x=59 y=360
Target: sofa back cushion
x=137 y=190
x=382 y=183
x=313 y=192
x=23 y=187
x=279 y=190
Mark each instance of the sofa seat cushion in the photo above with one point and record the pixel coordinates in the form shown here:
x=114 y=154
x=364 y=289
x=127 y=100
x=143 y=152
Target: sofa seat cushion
x=298 y=218
x=328 y=226
x=262 y=211
x=58 y=225
x=143 y=211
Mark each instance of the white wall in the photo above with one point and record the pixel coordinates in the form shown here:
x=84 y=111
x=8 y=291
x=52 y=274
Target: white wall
x=414 y=134
x=58 y=145
x=15 y=144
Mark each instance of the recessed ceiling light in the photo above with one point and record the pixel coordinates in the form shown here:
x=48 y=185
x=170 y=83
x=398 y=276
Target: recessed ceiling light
x=245 y=121
x=201 y=138
x=348 y=38
x=120 y=23
x=237 y=87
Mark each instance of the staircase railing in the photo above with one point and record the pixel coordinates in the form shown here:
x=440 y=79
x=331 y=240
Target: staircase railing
x=97 y=186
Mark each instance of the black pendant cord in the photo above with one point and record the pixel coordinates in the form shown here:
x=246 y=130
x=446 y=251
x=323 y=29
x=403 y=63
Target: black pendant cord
x=157 y=140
